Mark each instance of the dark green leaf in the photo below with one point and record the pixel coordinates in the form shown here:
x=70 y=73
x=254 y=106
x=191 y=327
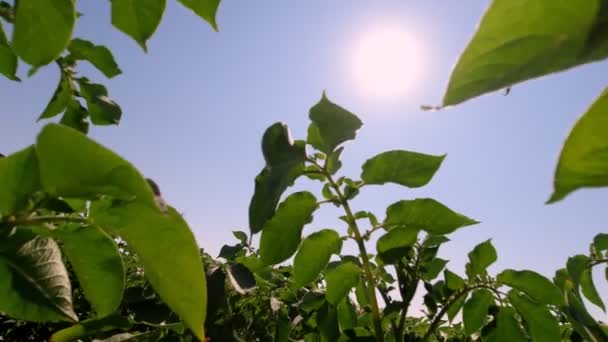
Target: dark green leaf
x=206 y=9
x=589 y=290
x=340 y=280
x=60 y=100
x=475 y=310
x=43 y=28
x=425 y=214
x=92 y=327
x=542 y=326
x=517 y=41
x=331 y=125
x=102 y=109
x=600 y=241
x=507 y=327
x=19 y=176
x=327 y=317
x=284 y=163
x=333 y=162
x=583 y=161
x=8 y=59
x=241 y=236
x=97 y=264
x=241 y=278
x=347 y=316
x=138 y=18
x=576 y=265
x=482 y=256
x=582 y=321
x=395 y=244
x=432 y=240
x=75 y=117
x=361 y=293
x=411 y=169
x=533 y=284
x=283 y=232
x=433 y=268
x=98 y=55
x=314 y=254
x=454 y=309
x=452 y=280
x=230 y=252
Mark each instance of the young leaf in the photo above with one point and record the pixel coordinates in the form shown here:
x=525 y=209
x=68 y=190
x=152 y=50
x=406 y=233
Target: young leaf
x=8 y=59
x=33 y=280
x=331 y=125
x=582 y=163
x=533 y=284
x=425 y=214
x=206 y=9
x=517 y=41
x=37 y=41
x=19 y=176
x=394 y=245
x=475 y=310
x=507 y=327
x=284 y=163
x=98 y=55
x=138 y=18
x=411 y=169
x=60 y=100
x=283 y=232
x=340 y=280
x=313 y=256
x=102 y=109
x=542 y=326
x=97 y=264
x=480 y=258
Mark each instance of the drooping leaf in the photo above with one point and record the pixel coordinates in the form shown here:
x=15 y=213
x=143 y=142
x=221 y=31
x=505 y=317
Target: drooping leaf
x=102 y=109
x=542 y=326
x=283 y=232
x=347 y=315
x=411 y=169
x=241 y=278
x=97 y=264
x=433 y=268
x=8 y=59
x=19 y=176
x=425 y=214
x=206 y=9
x=34 y=283
x=576 y=265
x=582 y=321
x=533 y=284
x=138 y=18
x=583 y=161
x=313 y=256
x=482 y=256
x=452 y=280
x=340 y=280
x=42 y=29
x=284 y=163
x=60 y=100
x=589 y=290
x=454 y=309
x=327 y=318
x=394 y=245
x=520 y=40
x=98 y=55
x=507 y=327
x=475 y=310
x=331 y=125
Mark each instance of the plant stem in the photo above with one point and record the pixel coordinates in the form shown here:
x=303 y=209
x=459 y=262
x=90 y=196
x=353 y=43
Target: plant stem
x=46 y=219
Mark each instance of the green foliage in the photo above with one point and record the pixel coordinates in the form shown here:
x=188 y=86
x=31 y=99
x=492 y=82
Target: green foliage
x=425 y=214
x=340 y=280
x=475 y=310
x=100 y=56
x=482 y=256
x=406 y=168
x=533 y=284
x=139 y=19
x=8 y=59
x=542 y=326
x=206 y=9
x=313 y=255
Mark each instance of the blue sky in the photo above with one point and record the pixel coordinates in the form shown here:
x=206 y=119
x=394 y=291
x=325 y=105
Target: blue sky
x=196 y=105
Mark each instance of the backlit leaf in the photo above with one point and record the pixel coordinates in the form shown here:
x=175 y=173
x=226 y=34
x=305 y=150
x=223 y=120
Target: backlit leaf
x=482 y=256
x=542 y=326
x=138 y=18
x=60 y=99
x=425 y=214
x=533 y=284
x=102 y=109
x=314 y=254
x=340 y=280
x=19 y=176
x=98 y=55
x=394 y=245
x=411 y=169
x=8 y=59
x=206 y=9
x=475 y=310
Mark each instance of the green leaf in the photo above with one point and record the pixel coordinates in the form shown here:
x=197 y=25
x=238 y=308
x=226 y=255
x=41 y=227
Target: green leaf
x=102 y=109
x=313 y=256
x=340 y=280
x=433 y=268
x=507 y=327
x=452 y=280
x=480 y=258
x=97 y=264
x=475 y=310
x=19 y=176
x=98 y=55
x=542 y=326
x=520 y=40
x=331 y=125
x=75 y=117
x=533 y=284
x=60 y=100
x=241 y=236
x=583 y=161
x=411 y=169
x=425 y=214
x=394 y=245
x=92 y=327
x=361 y=293
x=576 y=265
x=8 y=59
x=455 y=307
x=34 y=284
x=600 y=241
x=589 y=290
x=347 y=315
x=327 y=318
x=282 y=233
x=206 y=9
x=333 y=162
x=582 y=321
x=284 y=163
x=138 y=18
x=42 y=29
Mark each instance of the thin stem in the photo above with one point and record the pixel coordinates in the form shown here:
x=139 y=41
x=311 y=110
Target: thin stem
x=46 y=219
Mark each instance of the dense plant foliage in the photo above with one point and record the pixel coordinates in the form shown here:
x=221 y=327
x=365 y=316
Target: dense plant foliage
x=87 y=244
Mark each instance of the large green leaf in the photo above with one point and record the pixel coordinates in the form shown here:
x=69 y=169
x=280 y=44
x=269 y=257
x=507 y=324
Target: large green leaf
x=520 y=40
x=542 y=326
x=8 y=59
x=97 y=264
x=482 y=256
x=284 y=163
x=34 y=283
x=340 y=280
x=98 y=55
x=102 y=109
x=411 y=169
x=138 y=18
x=452 y=280
x=533 y=284
x=331 y=125
x=282 y=233
x=42 y=29
x=583 y=162
x=19 y=176
x=507 y=327
x=394 y=245
x=206 y=9
x=425 y=214
x=313 y=256
x=475 y=310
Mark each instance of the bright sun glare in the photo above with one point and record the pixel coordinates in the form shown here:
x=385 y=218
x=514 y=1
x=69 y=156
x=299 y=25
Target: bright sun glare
x=386 y=63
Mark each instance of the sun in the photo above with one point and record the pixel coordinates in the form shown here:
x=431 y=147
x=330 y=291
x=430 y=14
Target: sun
x=386 y=63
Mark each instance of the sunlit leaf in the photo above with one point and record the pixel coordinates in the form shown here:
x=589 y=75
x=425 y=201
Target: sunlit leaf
x=92 y=327
x=60 y=99
x=138 y=18
x=340 y=280
x=542 y=326
x=453 y=281
x=533 y=284
x=347 y=315
x=19 y=176
x=313 y=256
x=507 y=327
x=411 y=169
x=425 y=214
x=98 y=55
x=433 y=268
x=102 y=109
x=482 y=256
x=206 y=9
x=394 y=245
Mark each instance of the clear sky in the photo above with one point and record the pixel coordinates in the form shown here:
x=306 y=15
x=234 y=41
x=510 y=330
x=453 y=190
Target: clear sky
x=196 y=105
